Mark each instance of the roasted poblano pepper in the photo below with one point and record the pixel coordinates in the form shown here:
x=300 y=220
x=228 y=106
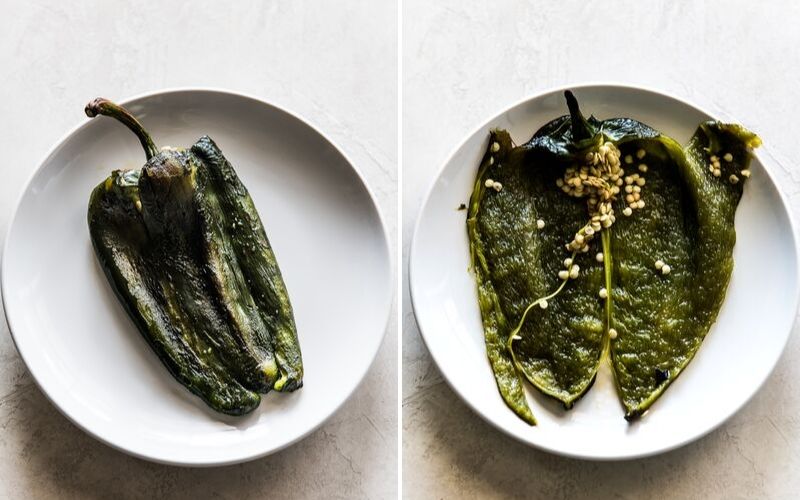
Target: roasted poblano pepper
x=185 y=252
x=603 y=239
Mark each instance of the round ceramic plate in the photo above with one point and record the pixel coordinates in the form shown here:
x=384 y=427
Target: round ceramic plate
x=86 y=354
x=735 y=359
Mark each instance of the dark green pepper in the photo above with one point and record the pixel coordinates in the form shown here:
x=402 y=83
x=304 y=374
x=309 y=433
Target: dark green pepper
x=187 y=255
x=600 y=237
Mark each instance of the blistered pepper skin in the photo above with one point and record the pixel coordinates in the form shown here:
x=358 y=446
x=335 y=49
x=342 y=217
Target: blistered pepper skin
x=186 y=254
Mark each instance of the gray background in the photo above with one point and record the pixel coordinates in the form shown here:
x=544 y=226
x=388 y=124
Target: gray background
x=465 y=60
x=334 y=63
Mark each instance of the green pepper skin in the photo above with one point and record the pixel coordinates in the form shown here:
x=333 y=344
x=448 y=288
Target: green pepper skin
x=188 y=247
x=187 y=255
x=122 y=245
x=658 y=319
x=258 y=266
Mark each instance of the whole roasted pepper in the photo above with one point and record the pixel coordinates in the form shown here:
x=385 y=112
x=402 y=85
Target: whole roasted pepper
x=603 y=240
x=185 y=251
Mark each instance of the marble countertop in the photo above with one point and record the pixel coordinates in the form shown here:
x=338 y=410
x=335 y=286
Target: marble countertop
x=335 y=65
x=465 y=60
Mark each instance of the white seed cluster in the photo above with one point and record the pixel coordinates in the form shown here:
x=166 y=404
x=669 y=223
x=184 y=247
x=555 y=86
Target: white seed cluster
x=493 y=184
x=599 y=179
x=612 y=334
x=603 y=293
x=661 y=266
x=714 y=167
x=540 y=224
x=633 y=191
x=571 y=270
x=497 y=186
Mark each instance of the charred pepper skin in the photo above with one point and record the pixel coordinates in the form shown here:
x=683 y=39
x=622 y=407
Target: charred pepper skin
x=122 y=245
x=259 y=267
x=186 y=253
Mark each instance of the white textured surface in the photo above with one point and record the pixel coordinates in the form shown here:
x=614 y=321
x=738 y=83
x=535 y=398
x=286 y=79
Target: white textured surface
x=464 y=61
x=332 y=63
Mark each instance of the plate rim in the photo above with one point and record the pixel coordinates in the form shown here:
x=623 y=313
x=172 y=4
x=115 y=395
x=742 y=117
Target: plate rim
x=390 y=293
x=413 y=250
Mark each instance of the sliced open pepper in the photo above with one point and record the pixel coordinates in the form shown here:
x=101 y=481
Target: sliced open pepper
x=603 y=239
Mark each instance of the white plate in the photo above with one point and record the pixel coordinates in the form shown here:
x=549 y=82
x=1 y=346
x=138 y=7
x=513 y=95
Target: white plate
x=735 y=359
x=90 y=360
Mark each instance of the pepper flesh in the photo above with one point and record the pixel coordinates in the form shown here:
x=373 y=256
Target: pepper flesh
x=185 y=252
x=662 y=318
x=659 y=320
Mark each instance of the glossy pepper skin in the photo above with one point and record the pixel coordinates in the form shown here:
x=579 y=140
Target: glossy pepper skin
x=517 y=242
x=185 y=251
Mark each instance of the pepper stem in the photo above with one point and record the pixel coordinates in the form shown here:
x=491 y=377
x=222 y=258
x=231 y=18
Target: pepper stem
x=105 y=107
x=580 y=127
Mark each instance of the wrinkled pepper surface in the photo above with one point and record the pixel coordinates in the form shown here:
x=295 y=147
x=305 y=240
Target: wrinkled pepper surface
x=603 y=240
x=184 y=249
